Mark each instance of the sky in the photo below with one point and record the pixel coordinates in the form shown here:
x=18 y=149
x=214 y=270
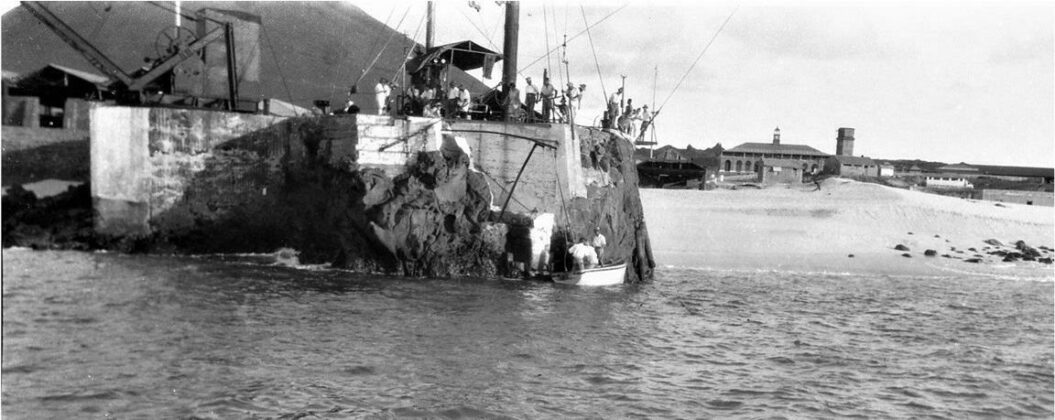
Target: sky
x=941 y=81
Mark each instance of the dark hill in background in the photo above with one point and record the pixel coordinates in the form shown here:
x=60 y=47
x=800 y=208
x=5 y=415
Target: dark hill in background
x=320 y=47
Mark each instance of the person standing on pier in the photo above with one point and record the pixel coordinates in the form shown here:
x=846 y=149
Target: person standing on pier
x=549 y=93
x=530 y=97
x=381 y=92
x=512 y=102
x=613 y=107
x=574 y=95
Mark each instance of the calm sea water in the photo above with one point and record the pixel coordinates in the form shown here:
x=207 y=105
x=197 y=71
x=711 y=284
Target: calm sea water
x=95 y=335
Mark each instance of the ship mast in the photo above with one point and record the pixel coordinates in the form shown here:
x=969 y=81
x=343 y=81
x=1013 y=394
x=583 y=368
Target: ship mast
x=512 y=28
x=430 y=27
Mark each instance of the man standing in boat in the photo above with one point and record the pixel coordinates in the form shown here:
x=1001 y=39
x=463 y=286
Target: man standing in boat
x=598 y=242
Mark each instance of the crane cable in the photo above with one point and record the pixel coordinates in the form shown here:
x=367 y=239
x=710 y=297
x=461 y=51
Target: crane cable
x=383 y=47
x=595 y=62
x=715 y=36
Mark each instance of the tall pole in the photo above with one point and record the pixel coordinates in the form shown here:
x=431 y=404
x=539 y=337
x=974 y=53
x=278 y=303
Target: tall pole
x=232 y=79
x=509 y=67
x=622 y=88
x=430 y=26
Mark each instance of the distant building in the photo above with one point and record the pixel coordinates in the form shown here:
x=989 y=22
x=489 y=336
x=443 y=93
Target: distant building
x=668 y=166
x=745 y=157
x=1031 y=198
x=852 y=166
x=51 y=97
x=947 y=182
x=886 y=170
x=779 y=171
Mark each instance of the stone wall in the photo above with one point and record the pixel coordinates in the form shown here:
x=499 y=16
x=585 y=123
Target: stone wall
x=1033 y=198
x=143 y=158
x=21 y=138
x=427 y=204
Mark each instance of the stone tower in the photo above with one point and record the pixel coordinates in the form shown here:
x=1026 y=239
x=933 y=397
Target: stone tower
x=844 y=143
x=776 y=135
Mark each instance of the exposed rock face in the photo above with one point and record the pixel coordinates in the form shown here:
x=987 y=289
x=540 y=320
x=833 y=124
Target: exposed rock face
x=614 y=207
x=431 y=220
x=298 y=184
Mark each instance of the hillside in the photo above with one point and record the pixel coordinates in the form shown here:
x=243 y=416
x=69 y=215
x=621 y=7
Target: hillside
x=316 y=49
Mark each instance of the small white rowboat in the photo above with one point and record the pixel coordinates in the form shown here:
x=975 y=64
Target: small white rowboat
x=600 y=276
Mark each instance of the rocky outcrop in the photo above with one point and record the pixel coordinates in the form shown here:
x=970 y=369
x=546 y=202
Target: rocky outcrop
x=299 y=184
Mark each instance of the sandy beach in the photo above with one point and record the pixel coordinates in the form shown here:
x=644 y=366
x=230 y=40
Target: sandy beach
x=801 y=229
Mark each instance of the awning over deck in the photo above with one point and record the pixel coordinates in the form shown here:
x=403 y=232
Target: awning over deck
x=465 y=55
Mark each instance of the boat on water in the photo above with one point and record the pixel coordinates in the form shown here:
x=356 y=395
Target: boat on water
x=599 y=276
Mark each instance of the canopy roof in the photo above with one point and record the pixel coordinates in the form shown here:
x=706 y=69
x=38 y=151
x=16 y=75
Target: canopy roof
x=465 y=55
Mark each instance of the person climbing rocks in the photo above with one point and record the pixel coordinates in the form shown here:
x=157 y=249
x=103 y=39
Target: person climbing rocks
x=598 y=242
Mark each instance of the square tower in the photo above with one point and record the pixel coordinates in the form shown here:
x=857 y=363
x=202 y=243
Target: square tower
x=844 y=143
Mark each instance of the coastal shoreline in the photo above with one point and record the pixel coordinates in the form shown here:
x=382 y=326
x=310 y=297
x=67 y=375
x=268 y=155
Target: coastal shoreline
x=846 y=227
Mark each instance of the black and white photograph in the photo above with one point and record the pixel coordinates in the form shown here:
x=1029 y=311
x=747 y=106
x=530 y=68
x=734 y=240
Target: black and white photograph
x=472 y=209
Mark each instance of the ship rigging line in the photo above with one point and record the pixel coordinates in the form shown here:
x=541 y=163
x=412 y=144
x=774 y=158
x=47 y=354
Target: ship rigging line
x=410 y=50
x=383 y=47
x=545 y=24
x=604 y=92
x=528 y=65
x=719 y=31
x=278 y=64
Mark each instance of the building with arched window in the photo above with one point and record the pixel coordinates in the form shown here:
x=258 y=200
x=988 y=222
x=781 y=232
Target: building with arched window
x=745 y=158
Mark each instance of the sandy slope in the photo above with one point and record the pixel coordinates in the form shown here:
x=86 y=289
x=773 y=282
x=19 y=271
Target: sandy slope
x=801 y=229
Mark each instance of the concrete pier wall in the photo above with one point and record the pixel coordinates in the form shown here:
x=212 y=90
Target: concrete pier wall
x=366 y=192
x=142 y=158
x=500 y=158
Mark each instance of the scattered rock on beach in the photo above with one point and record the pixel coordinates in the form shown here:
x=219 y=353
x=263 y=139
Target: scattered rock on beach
x=993 y=242
x=1026 y=249
x=906 y=255
x=850 y=256
x=1046 y=260
x=910 y=233
x=937 y=236
x=930 y=253
x=972 y=249
x=973 y=260
x=901 y=247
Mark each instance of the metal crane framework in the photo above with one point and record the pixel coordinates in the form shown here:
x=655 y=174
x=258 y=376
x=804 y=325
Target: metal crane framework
x=135 y=85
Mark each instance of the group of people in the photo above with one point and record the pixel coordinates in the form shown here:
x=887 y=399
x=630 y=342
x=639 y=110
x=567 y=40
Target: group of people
x=557 y=105
x=588 y=254
x=631 y=121
x=428 y=101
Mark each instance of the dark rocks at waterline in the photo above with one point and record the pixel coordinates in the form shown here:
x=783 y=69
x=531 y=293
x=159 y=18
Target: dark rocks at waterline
x=1045 y=260
x=930 y=253
x=62 y=221
x=900 y=247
